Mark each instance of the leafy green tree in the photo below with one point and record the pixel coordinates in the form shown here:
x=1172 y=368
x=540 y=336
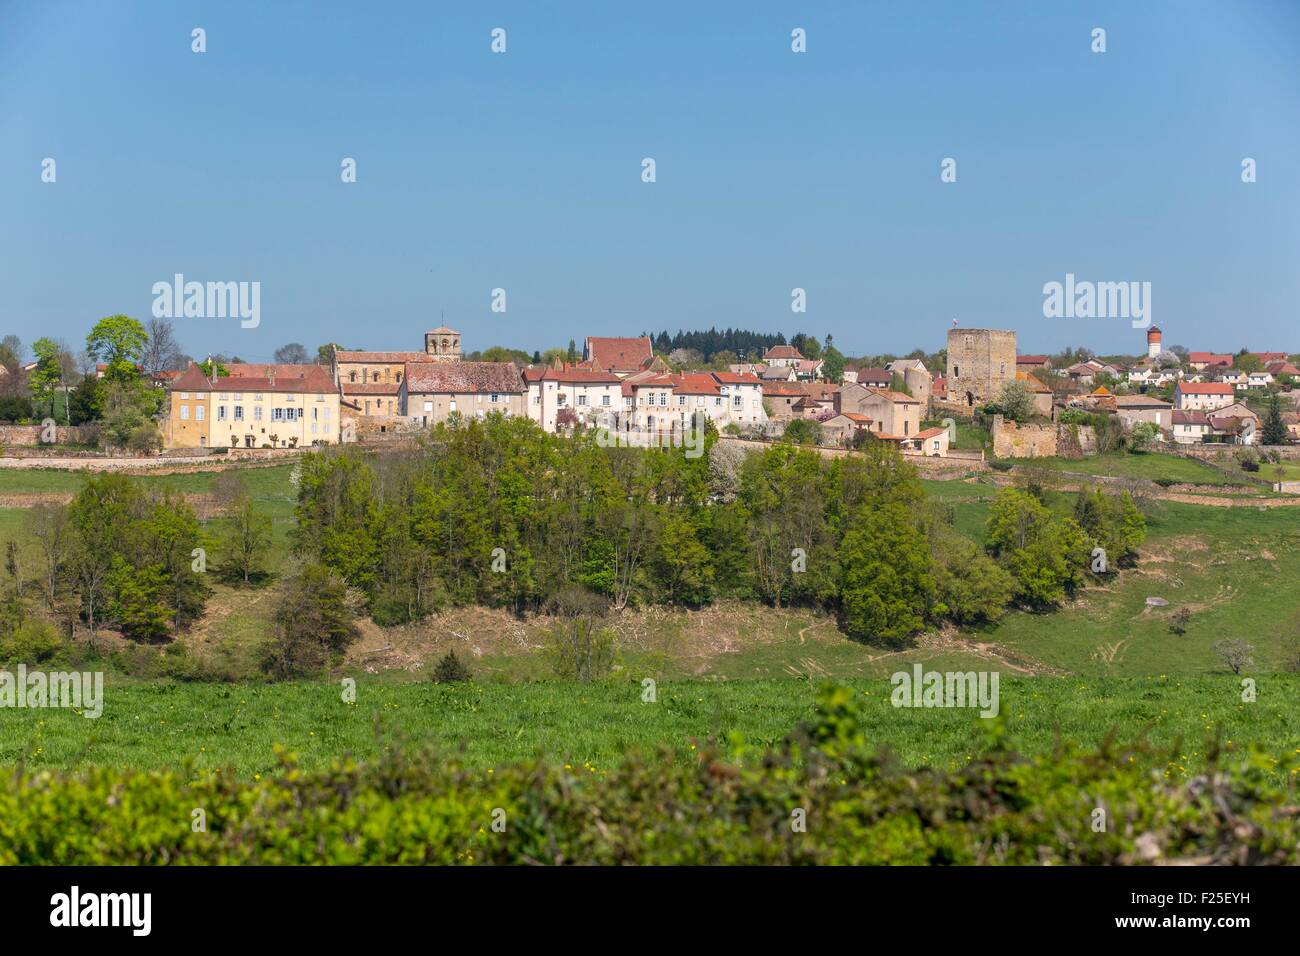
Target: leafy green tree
x=970 y=588
x=119 y=341
x=1044 y=553
x=886 y=573
x=45 y=379
x=802 y=431
x=682 y=563
x=1016 y=400
x=832 y=363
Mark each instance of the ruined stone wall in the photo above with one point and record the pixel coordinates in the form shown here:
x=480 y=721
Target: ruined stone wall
x=1014 y=440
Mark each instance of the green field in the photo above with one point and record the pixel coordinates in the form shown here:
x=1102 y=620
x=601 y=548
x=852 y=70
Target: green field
x=211 y=727
x=730 y=669
x=1150 y=465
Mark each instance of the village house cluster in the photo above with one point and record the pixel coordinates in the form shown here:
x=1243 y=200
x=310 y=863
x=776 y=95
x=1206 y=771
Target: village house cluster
x=621 y=385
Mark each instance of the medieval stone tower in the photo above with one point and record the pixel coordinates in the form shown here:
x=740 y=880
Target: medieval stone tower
x=980 y=362
x=443 y=344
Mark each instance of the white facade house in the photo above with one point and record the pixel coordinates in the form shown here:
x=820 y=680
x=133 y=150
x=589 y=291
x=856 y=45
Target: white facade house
x=1203 y=396
x=588 y=397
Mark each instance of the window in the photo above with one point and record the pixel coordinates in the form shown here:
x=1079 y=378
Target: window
x=313 y=417
x=185 y=413
x=239 y=396
x=239 y=413
x=257 y=397
x=582 y=399
x=375 y=377
x=496 y=397
x=604 y=400
x=288 y=398
x=327 y=416
x=313 y=428
x=277 y=414
x=320 y=397
x=198 y=413
x=257 y=413
x=221 y=413
x=428 y=406
x=737 y=402
x=184 y=395
x=663 y=398
x=224 y=396
x=352 y=376
x=452 y=403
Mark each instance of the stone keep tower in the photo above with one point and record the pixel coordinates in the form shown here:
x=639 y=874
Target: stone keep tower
x=980 y=362
x=443 y=344
x=1153 y=341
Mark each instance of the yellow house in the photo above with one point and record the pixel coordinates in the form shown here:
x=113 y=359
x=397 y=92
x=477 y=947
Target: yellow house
x=255 y=406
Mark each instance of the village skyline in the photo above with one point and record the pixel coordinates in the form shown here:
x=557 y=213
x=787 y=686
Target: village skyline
x=846 y=171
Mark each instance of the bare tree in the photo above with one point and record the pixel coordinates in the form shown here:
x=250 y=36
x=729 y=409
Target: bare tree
x=48 y=524
x=295 y=353
x=1236 y=653
x=162 y=351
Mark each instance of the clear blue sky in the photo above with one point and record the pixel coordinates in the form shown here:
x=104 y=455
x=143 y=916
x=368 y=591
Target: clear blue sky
x=775 y=170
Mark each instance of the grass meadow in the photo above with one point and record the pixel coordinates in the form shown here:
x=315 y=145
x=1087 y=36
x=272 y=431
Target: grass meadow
x=236 y=728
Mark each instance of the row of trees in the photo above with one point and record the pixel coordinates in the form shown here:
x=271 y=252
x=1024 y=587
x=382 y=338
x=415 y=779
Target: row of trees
x=497 y=512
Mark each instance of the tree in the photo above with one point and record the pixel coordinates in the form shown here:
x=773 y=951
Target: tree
x=580 y=649
x=11 y=353
x=572 y=354
x=293 y=353
x=886 y=574
x=970 y=588
x=45 y=379
x=803 y=431
x=244 y=540
x=1016 y=400
x=1044 y=553
x=1142 y=435
x=832 y=363
x=161 y=349
x=1236 y=653
x=325 y=353
x=1273 y=431
x=1179 y=620
x=119 y=341
x=313 y=624
x=49 y=525
x=681 y=563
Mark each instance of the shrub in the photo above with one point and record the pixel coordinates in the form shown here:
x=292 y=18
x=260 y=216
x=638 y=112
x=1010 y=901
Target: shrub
x=450 y=670
x=999 y=464
x=32 y=642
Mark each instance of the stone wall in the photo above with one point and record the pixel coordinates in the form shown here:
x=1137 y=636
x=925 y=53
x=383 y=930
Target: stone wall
x=28 y=436
x=1014 y=440
x=1226 y=451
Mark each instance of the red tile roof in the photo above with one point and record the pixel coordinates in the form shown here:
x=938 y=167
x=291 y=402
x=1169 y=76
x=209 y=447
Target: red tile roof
x=1206 y=388
x=577 y=376
x=782 y=352
x=1209 y=358
x=619 y=355
x=737 y=378
x=463 y=377
x=258 y=378
x=1190 y=418
x=390 y=357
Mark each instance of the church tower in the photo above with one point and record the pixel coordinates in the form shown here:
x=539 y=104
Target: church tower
x=443 y=344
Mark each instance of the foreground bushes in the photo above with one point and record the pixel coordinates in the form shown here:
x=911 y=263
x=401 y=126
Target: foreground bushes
x=741 y=807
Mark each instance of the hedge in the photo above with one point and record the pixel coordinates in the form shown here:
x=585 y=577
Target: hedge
x=824 y=795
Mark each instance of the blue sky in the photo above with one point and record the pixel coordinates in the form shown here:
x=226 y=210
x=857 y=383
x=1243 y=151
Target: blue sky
x=775 y=170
